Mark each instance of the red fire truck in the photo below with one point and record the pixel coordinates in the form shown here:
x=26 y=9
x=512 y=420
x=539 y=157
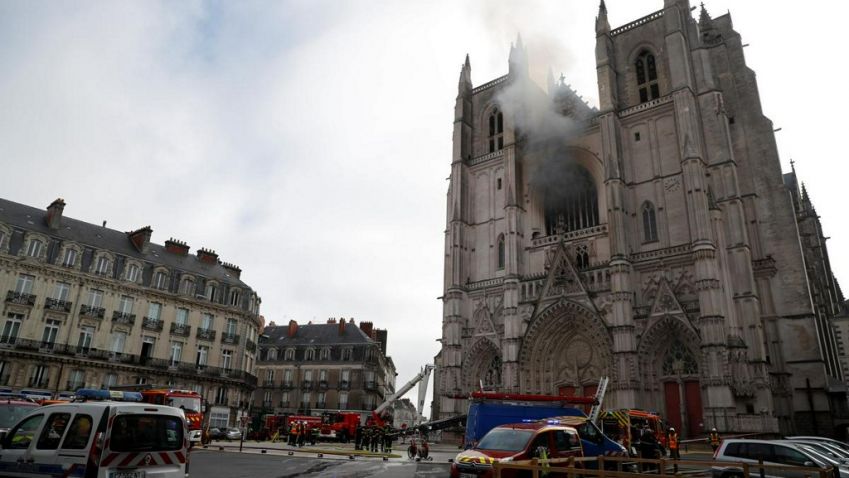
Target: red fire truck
x=190 y=401
x=340 y=426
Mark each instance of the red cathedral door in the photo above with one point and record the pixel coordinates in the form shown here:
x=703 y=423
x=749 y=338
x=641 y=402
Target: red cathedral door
x=673 y=405
x=589 y=391
x=693 y=394
x=566 y=391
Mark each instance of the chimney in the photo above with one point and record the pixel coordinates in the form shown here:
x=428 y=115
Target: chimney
x=293 y=328
x=367 y=328
x=176 y=246
x=381 y=336
x=207 y=256
x=54 y=213
x=331 y=320
x=342 y=327
x=141 y=238
x=235 y=270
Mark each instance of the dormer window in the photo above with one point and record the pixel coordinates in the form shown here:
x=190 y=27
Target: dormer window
x=235 y=297
x=310 y=354
x=159 y=280
x=34 y=248
x=188 y=287
x=70 y=258
x=102 y=267
x=211 y=290
x=133 y=272
x=325 y=354
x=496 y=131
x=647 y=77
x=290 y=354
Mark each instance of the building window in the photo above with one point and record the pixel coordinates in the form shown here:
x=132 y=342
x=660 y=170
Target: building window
x=284 y=400
x=582 y=257
x=70 y=259
x=269 y=376
x=51 y=330
x=290 y=354
x=343 y=400
x=182 y=317
x=287 y=376
x=322 y=375
x=346 y=376
x=160 y=280
x=11 y=328
x=110 y=380
x=203 y=355
x=154 y=311
x=125 y=305
x=347 y=353
x=272 y=354
x=34 y=248
x=226 y=359
x=86 y=336
x=307 y=375
x=501 y=252
x=221 y=396
x=647 y=77
x=102 y=267
x=40 y=376
x=61 y=291
x=206 y=321
x=211 y=290
x=176 y=352
x=235 y=297
x=496 y=131
x=310 y=355
x=267 y=398
x=574 y=208
x=119 y=339
x=325 y=354
x=76 y=379
x=306 y=398
x=231 y=327
x=24 y=284
x=649 y=222
x=188 y=287
x=498 y=184
x=2 y=239
x=95 y=298
x=320 y=403
x=133 y=272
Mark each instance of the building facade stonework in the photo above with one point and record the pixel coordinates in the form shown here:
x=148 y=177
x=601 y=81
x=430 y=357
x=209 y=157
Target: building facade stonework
x=89 y=306
x=310 y=369
x=653 y=240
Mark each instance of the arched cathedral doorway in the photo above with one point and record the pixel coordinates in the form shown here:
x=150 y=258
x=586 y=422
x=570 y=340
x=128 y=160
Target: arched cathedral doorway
x=482 y=367
x=670 y=369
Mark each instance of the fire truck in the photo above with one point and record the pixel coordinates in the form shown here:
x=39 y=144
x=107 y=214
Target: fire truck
x=340 y=426
x=628 y=424
x=190 y=401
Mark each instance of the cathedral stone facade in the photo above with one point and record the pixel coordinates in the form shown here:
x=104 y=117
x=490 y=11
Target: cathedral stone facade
x=654 y=241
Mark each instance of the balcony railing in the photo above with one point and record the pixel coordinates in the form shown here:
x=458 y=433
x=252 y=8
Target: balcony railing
x=20 y=298
x=206 y=334
x=305 y=406
x=284 y=404
x=322 y=384
x=287 y=385
x=306 y=384
x=150 y=323
x=344 y=384
x=90 y=353
x=232 y=339
x=123 y=318
x=320 y=405
x=250 y=346
x=182 y=330
x=92 y=311
x=57 y=305
x=370 y=385
x=268 y=383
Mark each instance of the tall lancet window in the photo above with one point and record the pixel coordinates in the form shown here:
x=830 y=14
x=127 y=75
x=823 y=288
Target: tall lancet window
x=501 y=252
x=496 y=130
x=647 y=77
x=571 y=200
x=649 y=222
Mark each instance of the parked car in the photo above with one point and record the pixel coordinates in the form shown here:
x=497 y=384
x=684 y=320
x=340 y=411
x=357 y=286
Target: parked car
x=520 y=441
x=216 y=434
x=233 y=434
x=773 y=453
x=830 y=441
x=12 y=409
x=825 y=448
x=824 y=459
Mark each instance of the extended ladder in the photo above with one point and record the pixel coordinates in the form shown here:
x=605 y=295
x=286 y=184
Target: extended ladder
x=599 y=398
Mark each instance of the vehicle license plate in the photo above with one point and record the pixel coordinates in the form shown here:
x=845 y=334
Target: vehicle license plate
x=468 y=475
x=127 y=474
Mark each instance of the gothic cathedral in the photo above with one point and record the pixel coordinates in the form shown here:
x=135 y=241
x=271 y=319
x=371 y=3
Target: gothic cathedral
x=654 y=241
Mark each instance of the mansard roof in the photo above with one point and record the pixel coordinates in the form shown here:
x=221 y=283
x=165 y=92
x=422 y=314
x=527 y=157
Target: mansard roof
x=103 y=238
x=315 y=334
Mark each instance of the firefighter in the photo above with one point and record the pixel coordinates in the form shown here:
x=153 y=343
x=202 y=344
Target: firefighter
x=387 y=439
x=358 y=437
x=713 y=439
x=302 y=434
x=649 y=449
x=367 y=439
x=672 y=441
x=293 y=433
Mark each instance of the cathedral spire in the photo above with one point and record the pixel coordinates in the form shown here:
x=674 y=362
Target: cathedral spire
x=705 y=22
x=518 y=59
x=601 y=23
x=465 y=82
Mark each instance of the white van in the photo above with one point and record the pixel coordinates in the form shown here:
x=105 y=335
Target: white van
x=102 y=439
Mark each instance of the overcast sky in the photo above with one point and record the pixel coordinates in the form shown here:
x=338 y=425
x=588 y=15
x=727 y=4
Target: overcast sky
x=309 y=141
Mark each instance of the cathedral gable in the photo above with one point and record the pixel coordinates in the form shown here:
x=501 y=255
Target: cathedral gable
x=665 y=301
x=563 y=280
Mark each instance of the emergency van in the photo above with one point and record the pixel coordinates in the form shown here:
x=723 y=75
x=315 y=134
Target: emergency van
x=99 y=435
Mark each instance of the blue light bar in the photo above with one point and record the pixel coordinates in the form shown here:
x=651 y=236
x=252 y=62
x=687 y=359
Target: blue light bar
x=95 y=394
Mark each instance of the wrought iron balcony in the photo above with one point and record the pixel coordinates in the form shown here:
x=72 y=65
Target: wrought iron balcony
x=232 y=339
x=287 y=384
x=92 y=311
x=322 y=384
x=250 y=346
x=20 y=298
x=370 y=385
x=205 y=334
x=182 y=330
x=306 y=384
x=268 y=383
x=153 y=324
x=123 y=318
x=344 y=384
x=320 y=404
x=284 y=404
x=57 y=305
x=266 y=404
